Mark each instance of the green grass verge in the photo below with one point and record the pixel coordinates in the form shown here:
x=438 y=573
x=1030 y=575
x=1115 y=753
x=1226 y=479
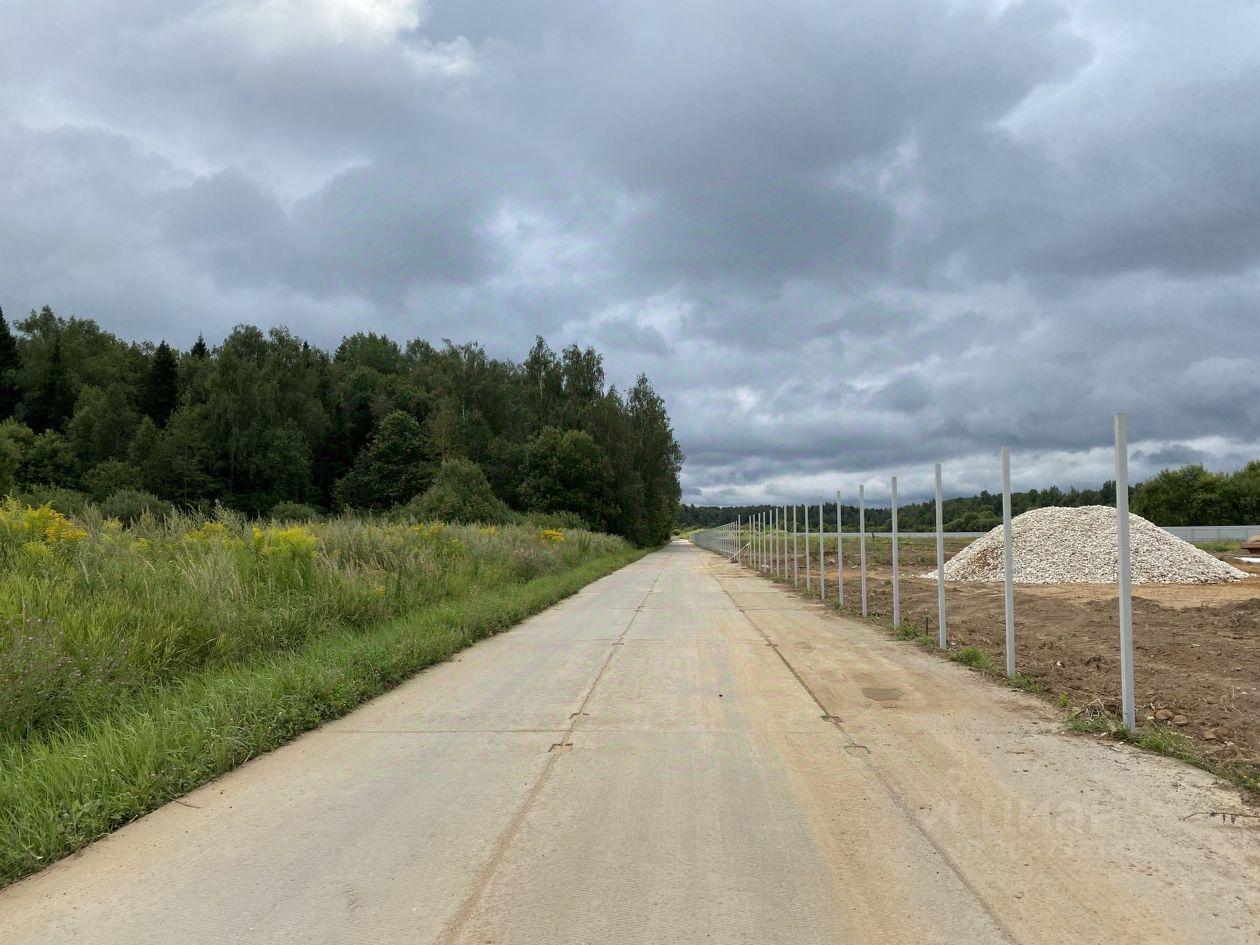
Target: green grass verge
x=61 y=792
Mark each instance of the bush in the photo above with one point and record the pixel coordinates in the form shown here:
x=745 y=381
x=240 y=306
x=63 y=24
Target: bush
x=460 y=493
x=10 y=459
x=110 y=476
x=554 y=520
x=65 y=501
x=128 y=505
x=295 y=512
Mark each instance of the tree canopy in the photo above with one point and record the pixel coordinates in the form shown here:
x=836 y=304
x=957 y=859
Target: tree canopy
x=265 y=419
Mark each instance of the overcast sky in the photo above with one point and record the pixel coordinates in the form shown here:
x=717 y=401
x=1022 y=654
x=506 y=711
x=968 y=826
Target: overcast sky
x=843 y=239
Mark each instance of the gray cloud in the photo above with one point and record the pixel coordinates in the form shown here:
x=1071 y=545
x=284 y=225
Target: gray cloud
x=842 y=241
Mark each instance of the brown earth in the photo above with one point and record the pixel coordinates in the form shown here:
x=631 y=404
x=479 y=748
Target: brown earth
x=1196 y=647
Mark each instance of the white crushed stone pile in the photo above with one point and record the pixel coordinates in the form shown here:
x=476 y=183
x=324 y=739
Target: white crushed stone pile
x=1078 y=546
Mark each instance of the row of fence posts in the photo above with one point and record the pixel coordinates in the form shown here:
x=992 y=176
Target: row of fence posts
x=769 y=538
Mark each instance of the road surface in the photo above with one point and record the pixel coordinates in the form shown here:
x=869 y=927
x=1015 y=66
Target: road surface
x=680 y=753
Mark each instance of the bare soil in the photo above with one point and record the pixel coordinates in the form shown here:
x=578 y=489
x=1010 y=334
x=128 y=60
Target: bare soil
x=1196 y=647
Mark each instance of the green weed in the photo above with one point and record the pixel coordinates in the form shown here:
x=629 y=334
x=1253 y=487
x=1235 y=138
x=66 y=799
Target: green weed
x=1026 y=683
x=974 y=657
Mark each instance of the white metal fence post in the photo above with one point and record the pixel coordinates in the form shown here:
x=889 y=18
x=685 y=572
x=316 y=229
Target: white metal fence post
x=774 y=541
x=839 y=554
x=862 y=541
x=808 y=586
x=940 y=563
x=739 y=539
x=1125 y=575
x=796 y=568
x=1007 y=562
x=896 y=570
x=765 y=541
x=760 y=533
x=785 y=561
x=822 y=557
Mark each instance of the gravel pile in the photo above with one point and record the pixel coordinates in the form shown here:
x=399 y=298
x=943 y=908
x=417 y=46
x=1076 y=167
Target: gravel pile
x=1078 y=546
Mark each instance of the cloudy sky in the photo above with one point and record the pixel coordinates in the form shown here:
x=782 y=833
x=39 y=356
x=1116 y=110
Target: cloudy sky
x=843 y=239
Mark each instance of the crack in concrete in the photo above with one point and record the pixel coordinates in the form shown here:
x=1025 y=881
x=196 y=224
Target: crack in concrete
x=450 y=934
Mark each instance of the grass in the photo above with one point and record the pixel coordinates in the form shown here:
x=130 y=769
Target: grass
x=974 y=657
x=165 y=663
x=1220 y=546
x=96 y=614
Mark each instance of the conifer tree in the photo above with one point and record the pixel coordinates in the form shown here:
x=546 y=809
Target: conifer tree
x=160 y=394
x=10 y=363
x=52 y=401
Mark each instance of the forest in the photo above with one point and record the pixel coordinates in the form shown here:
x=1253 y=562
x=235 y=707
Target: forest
x=1191 y=495
x=266 y=424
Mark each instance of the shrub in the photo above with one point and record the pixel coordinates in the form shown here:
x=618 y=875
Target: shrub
x=128 y=505
x=65 y=501
x=110 y=476
x=554 y=520
x=294 y=543
x=49 y=459
x=459 y=493
x=32 y=528
x=295 y=512
x=10 y=458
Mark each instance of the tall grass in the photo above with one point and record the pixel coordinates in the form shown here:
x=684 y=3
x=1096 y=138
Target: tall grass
x=94 y=613
x=137 y=663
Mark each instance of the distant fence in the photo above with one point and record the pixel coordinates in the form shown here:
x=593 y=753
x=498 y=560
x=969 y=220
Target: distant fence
x=717 y=539
x=1214 y=532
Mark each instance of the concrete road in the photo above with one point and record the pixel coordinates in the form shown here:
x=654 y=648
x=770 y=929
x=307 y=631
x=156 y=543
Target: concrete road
x=681 y=753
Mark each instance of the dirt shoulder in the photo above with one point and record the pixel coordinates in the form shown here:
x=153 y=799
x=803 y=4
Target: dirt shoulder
x=1196 y=647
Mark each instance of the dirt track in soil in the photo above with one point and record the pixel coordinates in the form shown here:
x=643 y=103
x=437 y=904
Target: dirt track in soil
x=1196 y=647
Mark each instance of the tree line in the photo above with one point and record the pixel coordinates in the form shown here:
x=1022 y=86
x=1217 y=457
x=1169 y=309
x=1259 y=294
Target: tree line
x=1190 y=495
x=265 y=420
